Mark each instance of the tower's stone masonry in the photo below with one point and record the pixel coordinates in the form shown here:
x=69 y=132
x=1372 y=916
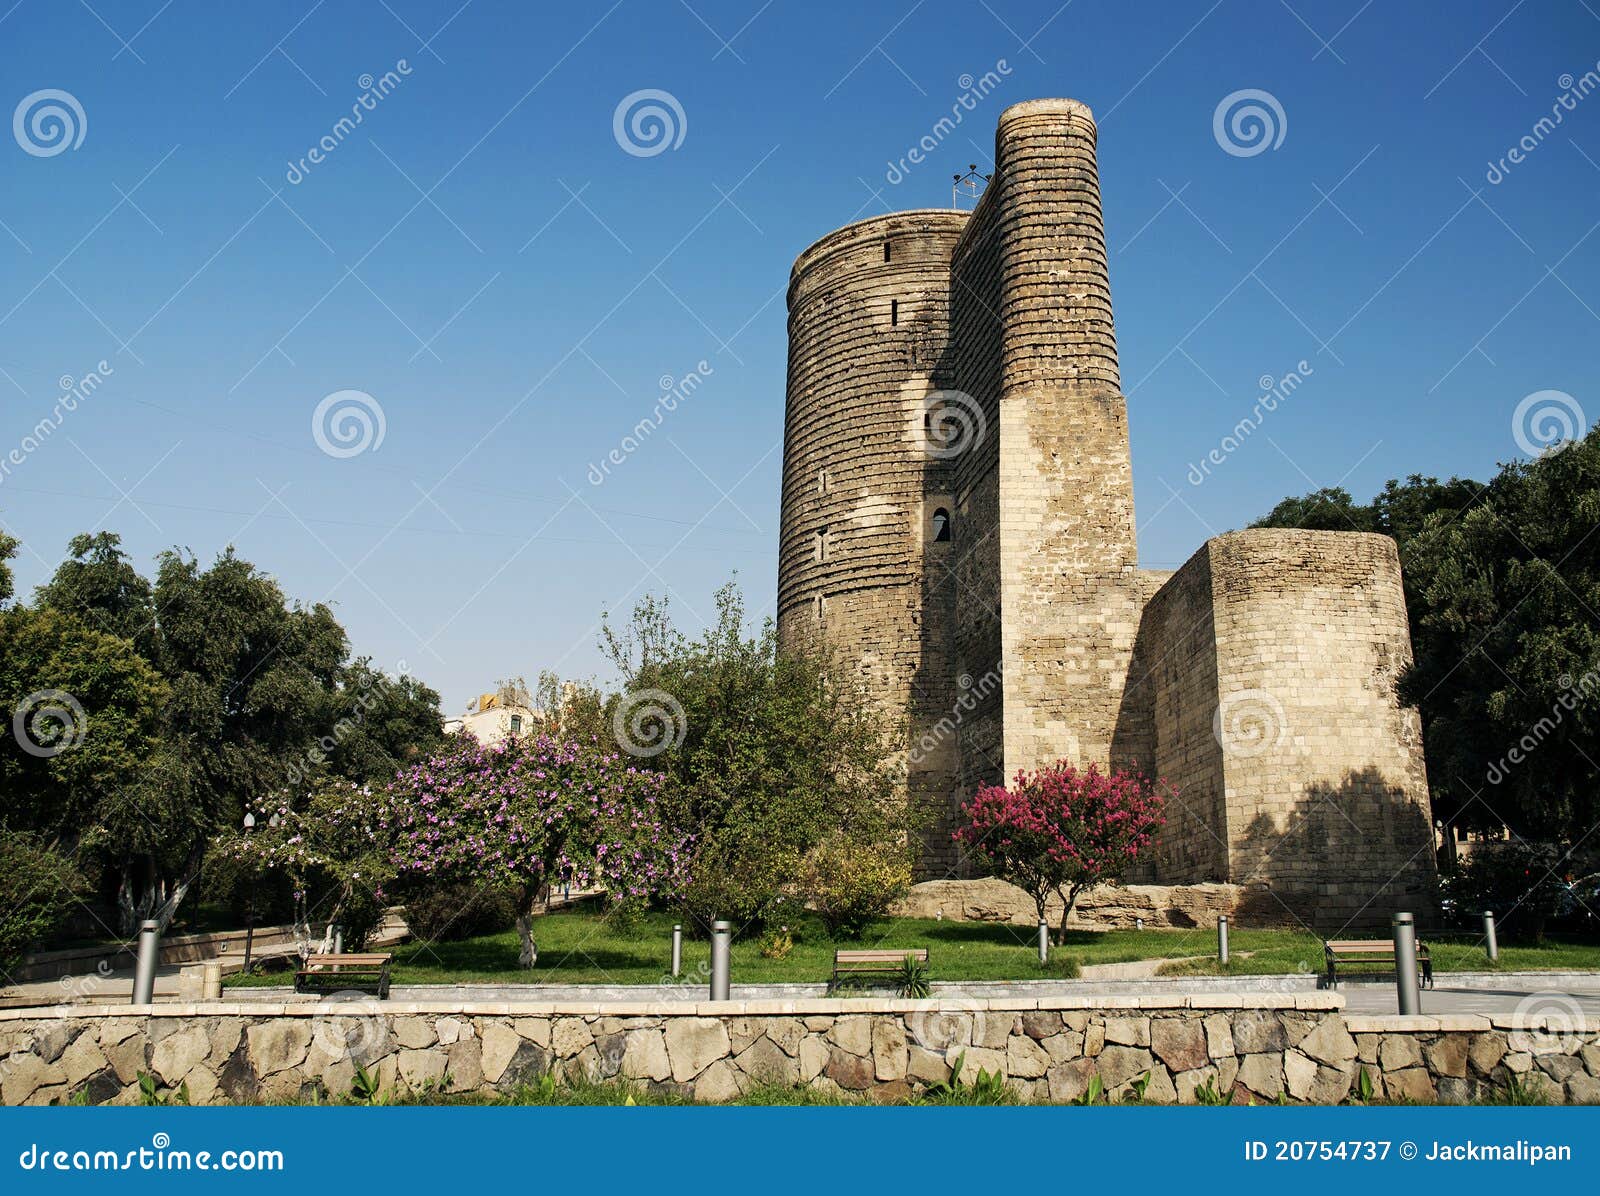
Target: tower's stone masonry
x=958 y=520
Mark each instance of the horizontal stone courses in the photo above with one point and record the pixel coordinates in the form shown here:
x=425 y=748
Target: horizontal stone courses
x=694 y=1007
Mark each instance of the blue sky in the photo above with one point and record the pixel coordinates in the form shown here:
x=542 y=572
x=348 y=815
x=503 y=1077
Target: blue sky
x=484 y=259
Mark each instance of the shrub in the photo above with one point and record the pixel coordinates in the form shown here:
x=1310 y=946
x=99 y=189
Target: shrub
x=737 y=877
x=450 y=913
x=852 y=884
x=36 y=888
x=1059 y=831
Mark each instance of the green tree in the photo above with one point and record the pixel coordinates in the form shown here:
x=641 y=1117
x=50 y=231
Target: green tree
x=98 y=583
x=1327 y=510
x=767 y=752
x=372 y=725
x=1507 y=640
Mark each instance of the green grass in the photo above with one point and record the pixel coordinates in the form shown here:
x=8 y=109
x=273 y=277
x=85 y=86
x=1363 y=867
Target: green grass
x=1451 y=953
x=581 y=948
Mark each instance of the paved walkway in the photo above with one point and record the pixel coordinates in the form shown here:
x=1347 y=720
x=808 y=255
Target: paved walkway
x=1537 y=995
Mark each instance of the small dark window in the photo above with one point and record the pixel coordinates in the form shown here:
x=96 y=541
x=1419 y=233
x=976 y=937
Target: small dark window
x=886 y=251
x=516 y=724
x=894 y=311
x=941 y=526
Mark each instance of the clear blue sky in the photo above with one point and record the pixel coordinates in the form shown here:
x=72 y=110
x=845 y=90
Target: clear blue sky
x=482 y=258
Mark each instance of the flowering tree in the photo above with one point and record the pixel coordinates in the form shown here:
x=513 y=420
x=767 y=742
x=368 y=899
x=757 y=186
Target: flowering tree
x=1060 y=830
x=527 y=812
x=337 y=844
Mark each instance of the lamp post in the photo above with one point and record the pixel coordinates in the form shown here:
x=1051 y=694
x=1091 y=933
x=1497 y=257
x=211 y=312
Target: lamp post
x=721 y=938
x=250 y=900
x=1407 y=991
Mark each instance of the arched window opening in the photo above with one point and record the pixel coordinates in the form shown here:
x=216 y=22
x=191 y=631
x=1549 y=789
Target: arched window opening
x=941 y=526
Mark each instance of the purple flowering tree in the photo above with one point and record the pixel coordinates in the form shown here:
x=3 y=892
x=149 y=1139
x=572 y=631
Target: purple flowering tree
x=531 y=812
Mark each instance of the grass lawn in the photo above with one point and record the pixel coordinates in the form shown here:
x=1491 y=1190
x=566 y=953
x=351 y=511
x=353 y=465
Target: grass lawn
x=583 y=948
x=1451 y=953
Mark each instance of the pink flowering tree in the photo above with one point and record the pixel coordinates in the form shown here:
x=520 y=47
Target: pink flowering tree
x=527 y=813
x=1061 y=830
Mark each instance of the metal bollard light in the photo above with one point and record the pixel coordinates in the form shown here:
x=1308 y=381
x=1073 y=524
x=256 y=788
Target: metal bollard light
x=144 y=972
x=677 y=950
x=1490 y=941
x=1222 y=939
x=1405 y=965
x=1044 y=941
x=721 y=939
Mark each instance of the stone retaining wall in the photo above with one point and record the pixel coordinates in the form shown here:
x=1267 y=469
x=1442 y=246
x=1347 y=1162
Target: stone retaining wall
x=1251 y=1047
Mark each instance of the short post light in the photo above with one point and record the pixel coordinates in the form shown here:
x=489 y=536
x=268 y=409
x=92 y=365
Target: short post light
x=1407 y=990
x=1044 y=942
x=1491 y=941
x=721 y=940
x=1222 y=939
x=677 y=950
x=144 y=971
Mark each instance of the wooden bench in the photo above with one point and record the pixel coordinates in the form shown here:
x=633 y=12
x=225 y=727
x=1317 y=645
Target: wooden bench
x=848 y=964
x=1369 y=956
x=345 y=973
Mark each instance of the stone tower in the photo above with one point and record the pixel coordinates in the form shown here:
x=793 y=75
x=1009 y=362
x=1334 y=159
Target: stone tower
x=957 y=520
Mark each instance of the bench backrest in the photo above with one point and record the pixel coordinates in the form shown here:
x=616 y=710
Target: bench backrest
x=370 y=961
x=918 y=953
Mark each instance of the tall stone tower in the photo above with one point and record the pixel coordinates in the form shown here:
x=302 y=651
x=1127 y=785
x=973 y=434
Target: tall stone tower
x=864 y=501
x=957 y=521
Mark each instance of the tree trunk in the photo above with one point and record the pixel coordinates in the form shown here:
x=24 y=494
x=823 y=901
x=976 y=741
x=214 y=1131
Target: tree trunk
x=528 y=956
x=1068 y=899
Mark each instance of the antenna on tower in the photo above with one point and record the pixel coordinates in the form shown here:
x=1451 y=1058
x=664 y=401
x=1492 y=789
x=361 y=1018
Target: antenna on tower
x=968 y=186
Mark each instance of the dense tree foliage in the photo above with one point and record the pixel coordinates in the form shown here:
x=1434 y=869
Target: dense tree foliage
x=769 y=755
x=151 y=716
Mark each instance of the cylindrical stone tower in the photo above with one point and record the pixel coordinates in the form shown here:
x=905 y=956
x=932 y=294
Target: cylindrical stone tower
x=866 y=508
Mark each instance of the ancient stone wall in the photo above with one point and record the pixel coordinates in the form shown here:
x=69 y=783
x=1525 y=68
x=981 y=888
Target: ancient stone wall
x=1067 y=547
x=1327 y=794
x=1031 y=635
x=859 y=565
x=1238 y=1047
